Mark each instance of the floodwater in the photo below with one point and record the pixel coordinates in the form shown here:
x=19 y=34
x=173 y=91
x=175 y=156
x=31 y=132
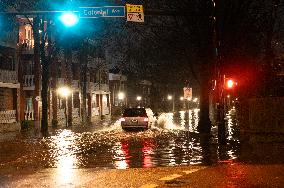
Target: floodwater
x=172 y=141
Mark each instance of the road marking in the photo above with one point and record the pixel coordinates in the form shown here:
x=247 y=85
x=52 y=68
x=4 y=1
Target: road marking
x=190 y=171
x=171 y=177
x=149 y=186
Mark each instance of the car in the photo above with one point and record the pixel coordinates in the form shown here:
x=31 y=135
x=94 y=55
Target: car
x=135 y=118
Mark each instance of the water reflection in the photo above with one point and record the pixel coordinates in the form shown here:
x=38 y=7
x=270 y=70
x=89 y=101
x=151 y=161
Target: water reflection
x=182 y=118
x=188 y=120
x=131 y=153
x=174 y=141
x=232 y=125
x=62 y=148
x=121 y=155
x=147 y=150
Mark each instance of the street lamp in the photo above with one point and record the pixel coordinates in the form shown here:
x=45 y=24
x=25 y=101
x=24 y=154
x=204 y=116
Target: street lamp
x=64 y=92
x=138 y=98
x=121 y=97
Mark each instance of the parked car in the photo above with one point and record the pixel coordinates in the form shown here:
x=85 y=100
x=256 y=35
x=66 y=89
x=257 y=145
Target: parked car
x=135 y=118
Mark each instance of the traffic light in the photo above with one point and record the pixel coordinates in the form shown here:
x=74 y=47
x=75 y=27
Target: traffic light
x=69 y=19
x=230 y=84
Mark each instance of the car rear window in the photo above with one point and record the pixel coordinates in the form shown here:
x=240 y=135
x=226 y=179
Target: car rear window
x=134 y=112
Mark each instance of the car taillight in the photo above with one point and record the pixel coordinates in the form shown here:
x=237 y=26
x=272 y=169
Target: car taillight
x=146 y=119
x=122 y=119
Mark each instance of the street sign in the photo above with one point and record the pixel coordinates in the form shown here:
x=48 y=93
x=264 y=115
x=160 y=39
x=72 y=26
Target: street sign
x=98 y=12
x=135 y=13
x=135 y=17
x=134 y=8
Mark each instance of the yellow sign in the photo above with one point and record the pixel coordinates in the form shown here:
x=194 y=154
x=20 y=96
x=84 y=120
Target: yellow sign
x=134 y=8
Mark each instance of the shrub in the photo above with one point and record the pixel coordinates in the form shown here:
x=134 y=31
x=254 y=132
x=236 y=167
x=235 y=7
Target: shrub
x=25 y=124
x=54 y=123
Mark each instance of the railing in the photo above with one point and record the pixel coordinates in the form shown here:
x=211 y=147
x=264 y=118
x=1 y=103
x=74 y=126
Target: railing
x=101 y=87
x=27 y=44
x=8 y=76
x=61 y=114
x=9 y=38
x=75 y=113
x=75 y=85
x=105 y=110
x=8 y=116
x=117 y=77
x=95 y=111
x=90 y=86
x=60 y=81
x=29 y=81
x=29 y=115
x=105 y=87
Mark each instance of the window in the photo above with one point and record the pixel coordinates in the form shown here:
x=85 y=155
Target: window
x=134 y=112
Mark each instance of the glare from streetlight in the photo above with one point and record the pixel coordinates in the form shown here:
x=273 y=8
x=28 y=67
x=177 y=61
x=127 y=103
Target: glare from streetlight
x=64 y=91
x=170 y=97
x=181 y=98
x=195 y=99
x=138 y=98
x=121 y=95
x=69 y=19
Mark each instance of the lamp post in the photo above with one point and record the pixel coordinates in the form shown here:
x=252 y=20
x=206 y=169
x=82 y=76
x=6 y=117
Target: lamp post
x=121 y=97
x=182 y=100
x=170 y=97
x=65 y=92
x=188 y=100
x=195 y=100
x=138 y=98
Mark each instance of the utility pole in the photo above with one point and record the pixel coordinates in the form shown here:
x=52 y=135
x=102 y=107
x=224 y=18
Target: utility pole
x=68 y=64
x=37 y=69
x=83 y=57
x=220 y=108
x=45 y=59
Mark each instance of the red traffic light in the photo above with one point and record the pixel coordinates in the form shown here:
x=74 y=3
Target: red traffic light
x=230 y=84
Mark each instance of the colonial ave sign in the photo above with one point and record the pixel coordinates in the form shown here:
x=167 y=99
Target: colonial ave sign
x=97 y=12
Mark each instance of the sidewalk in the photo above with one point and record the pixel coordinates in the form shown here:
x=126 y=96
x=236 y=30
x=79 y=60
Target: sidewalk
x=233 y=175
x=218 y=176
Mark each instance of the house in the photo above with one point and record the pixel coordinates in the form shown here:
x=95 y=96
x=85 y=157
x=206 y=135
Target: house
x=118 y=90
x=144 y=89
x=140 y=93
x=67 y=71
x=9 y=85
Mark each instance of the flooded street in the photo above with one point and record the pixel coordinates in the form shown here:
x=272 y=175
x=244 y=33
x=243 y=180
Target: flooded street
x=173 y=141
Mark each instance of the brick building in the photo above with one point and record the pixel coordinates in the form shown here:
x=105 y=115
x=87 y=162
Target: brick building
x=9 y=85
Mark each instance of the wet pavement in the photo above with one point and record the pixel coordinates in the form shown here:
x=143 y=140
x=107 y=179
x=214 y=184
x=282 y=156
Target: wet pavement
x=173 y=141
